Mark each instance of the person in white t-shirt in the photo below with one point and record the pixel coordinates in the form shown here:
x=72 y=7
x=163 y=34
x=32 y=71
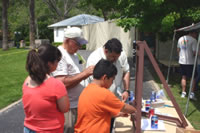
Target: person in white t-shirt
x=186 y=49
x=112 y=51
x=70 y=72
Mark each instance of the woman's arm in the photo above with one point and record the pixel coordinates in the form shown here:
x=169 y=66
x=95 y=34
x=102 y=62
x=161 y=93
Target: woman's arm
x=63 y=104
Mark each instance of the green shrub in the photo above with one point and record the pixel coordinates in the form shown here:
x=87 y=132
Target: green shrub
x=27 y=43
x=56 y=43
x=59 y=43
x=83 y=46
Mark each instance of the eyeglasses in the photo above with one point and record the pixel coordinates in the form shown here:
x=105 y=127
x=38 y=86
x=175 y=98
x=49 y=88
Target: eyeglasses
x=77 y=43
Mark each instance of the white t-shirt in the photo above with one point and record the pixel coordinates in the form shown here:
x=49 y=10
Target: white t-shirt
x=121 y=65
x=70 y=65
x=187 y=45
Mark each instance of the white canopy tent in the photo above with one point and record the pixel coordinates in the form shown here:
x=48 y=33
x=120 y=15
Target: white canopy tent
x=96 y=31
x=99 y=33
x=78 y=21
x=187 y=28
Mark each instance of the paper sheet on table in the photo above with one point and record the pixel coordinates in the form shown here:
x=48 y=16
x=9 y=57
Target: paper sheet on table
x=146 y=125
x=157 y=111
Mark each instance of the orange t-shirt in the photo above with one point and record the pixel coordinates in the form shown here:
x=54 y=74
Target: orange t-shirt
x=96 y=106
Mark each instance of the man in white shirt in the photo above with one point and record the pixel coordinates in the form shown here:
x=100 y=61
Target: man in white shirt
x=186 y=49
x=70 y=72
x=112 y=51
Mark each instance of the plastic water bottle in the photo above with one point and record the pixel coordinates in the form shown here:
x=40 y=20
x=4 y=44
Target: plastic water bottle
x=131 y=97
x=153 y=96
x=119 y=91
x=160 y=94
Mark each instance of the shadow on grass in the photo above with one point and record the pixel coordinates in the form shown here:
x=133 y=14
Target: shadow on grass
x=188 y=115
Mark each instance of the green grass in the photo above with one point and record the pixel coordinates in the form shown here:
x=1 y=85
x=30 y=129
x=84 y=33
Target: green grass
x=193 y=114
x=11 y=51
x=12 y=75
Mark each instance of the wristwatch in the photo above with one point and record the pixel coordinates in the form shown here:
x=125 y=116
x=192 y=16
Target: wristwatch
x=127 y=91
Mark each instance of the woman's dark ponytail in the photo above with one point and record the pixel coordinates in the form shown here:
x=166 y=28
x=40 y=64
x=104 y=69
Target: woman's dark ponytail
x=37 y=61
x=35 y=67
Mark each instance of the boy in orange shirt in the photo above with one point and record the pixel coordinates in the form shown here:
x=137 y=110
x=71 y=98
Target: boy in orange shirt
x=97 y=104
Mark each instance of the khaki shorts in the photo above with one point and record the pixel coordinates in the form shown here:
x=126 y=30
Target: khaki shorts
x=70 y=120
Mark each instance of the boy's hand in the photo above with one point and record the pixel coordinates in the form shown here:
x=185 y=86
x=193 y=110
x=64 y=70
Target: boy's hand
x=121 y=114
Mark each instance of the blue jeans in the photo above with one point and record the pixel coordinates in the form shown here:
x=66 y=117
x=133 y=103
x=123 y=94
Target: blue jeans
x=198 y=76
x=27 y=130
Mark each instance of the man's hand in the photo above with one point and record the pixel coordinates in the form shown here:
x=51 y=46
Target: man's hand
x=89 y=71
x=124 y=96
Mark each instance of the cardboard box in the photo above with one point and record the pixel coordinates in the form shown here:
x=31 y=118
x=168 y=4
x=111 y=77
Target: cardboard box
x=181 y=130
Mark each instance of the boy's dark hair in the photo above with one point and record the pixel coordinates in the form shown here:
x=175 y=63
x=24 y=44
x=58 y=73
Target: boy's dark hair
x=113 y=45
x=104 y=67
x=37 y=61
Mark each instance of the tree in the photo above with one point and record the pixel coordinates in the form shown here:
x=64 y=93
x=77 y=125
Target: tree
x=5 y=4
x=32 y=23
x=107 y=7
x=61 y=7
x=19 y=12
x=18 y=19
x=158 y=16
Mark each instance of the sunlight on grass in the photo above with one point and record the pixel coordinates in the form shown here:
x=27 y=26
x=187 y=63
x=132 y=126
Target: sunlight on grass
x=12 y=75
x=11 y=51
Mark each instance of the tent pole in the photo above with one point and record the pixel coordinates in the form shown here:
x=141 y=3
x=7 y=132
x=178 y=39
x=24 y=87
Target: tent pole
x=193 y=73
x=170 y=59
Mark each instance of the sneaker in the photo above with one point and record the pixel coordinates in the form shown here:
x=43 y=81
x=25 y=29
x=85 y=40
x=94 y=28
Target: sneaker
x=192 y=96
x=183 y=94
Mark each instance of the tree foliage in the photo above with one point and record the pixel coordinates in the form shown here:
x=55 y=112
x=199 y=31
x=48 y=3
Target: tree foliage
x=61 y=7
x=158 y=16
x=155 y=16
x=18 y=16
x=107 y=7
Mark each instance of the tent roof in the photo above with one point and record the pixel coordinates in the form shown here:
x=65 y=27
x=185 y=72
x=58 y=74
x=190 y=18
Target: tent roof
x=191 y=27
x=79 y=20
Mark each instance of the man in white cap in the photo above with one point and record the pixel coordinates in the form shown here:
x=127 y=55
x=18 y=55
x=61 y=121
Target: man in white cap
x=70 y=72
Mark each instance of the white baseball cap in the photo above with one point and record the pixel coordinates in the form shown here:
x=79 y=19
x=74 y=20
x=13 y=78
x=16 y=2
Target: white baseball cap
x=76 y=34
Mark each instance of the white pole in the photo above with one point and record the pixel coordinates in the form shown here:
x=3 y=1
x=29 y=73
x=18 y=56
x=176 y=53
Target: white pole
x=170 y=59
x=194 y=67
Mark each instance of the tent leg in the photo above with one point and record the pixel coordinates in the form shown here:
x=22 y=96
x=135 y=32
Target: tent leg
x=193 y=73
x=170 y=59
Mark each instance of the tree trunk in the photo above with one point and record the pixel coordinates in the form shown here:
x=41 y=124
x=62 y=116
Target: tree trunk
x=5 y=24
x=104 y=15
x=32 y=23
